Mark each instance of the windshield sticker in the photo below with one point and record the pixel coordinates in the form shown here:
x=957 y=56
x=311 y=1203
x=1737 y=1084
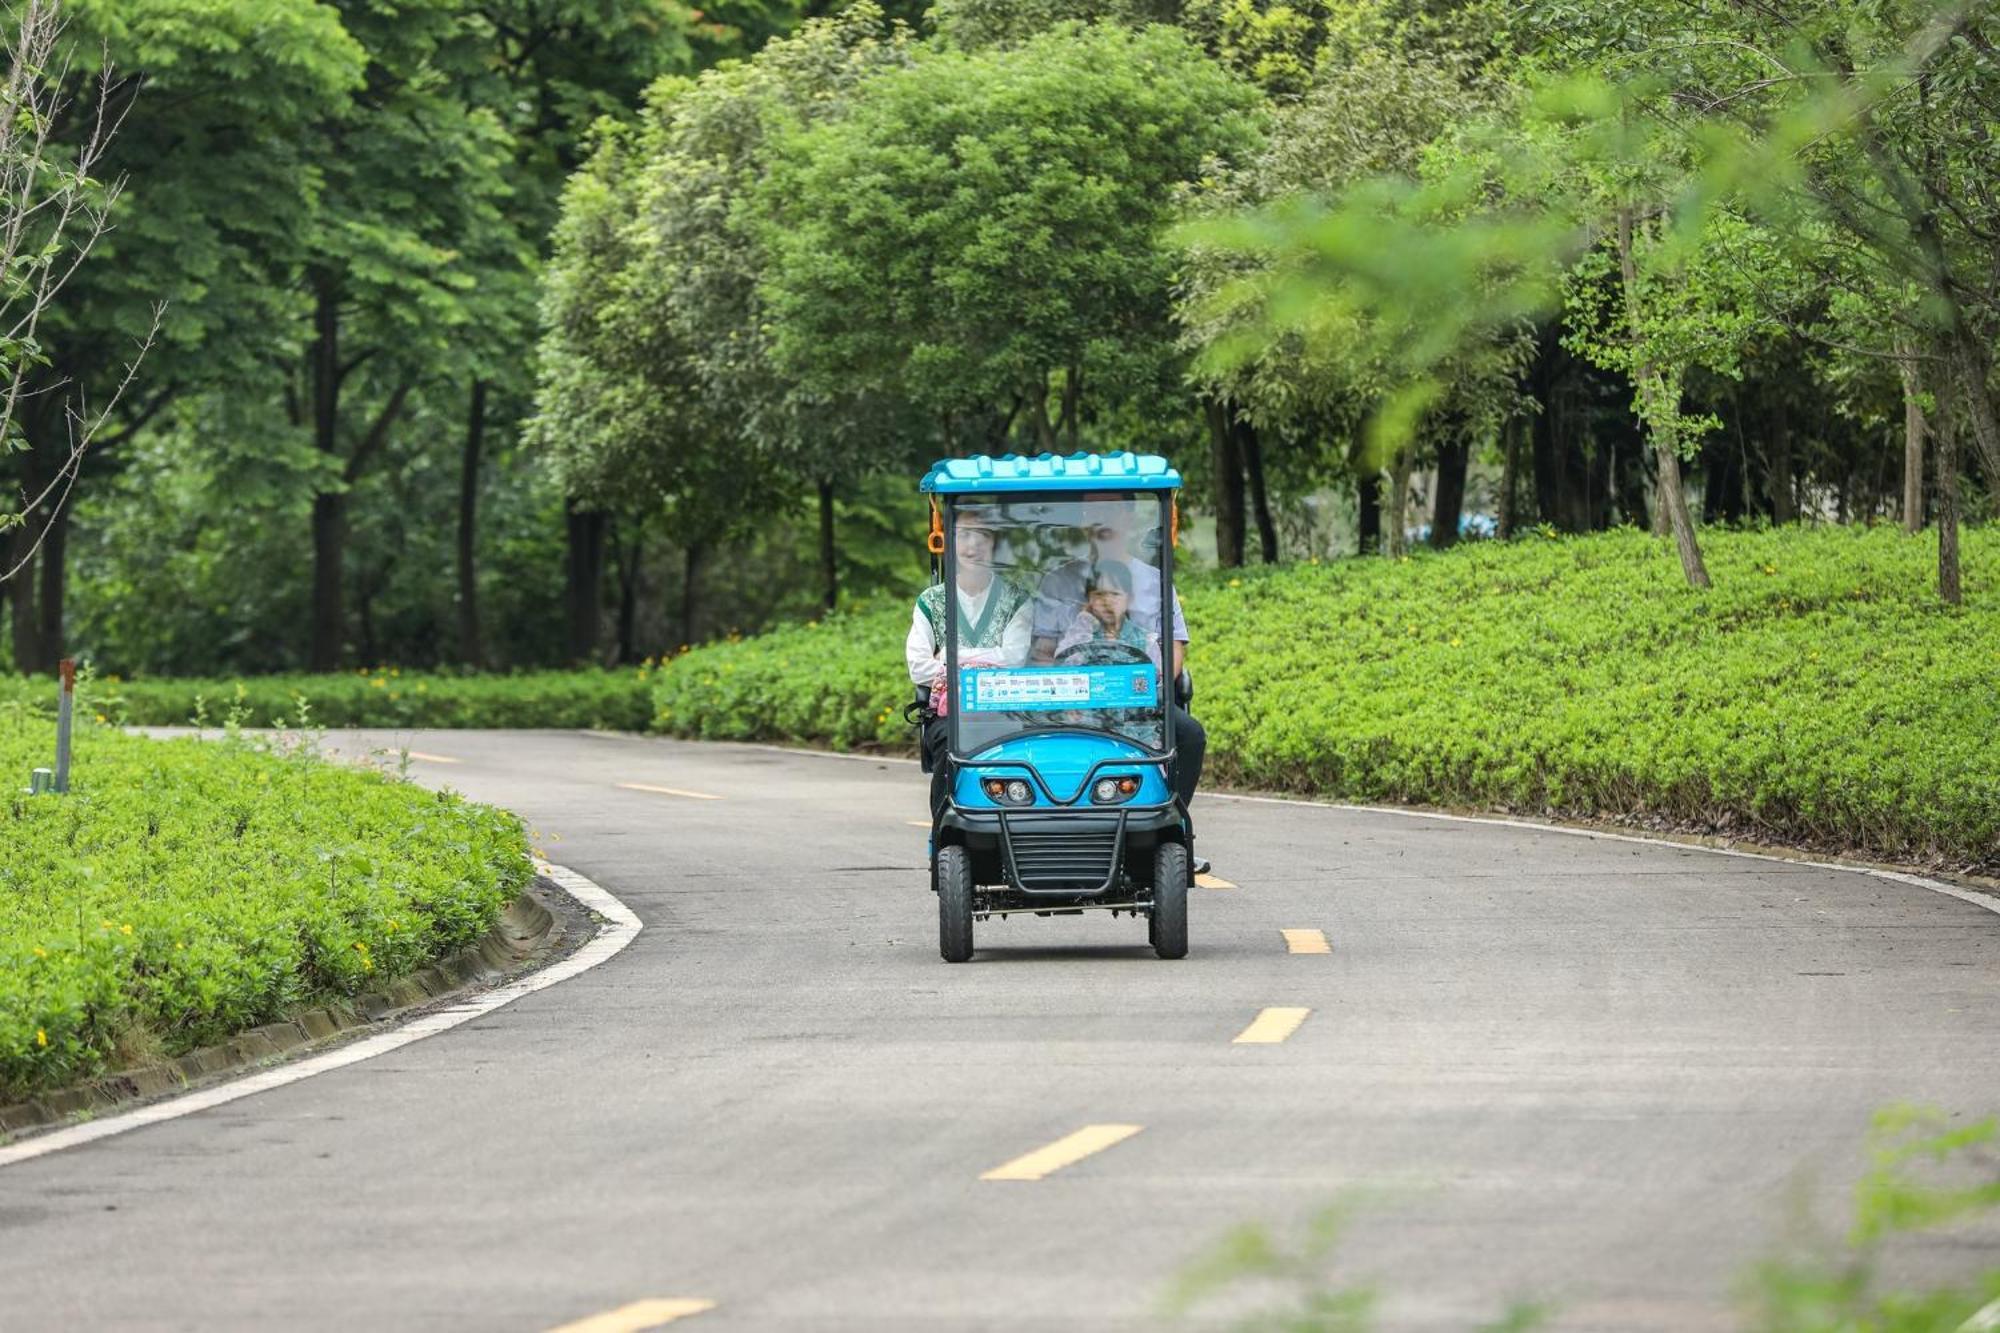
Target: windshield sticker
x=1048 y=689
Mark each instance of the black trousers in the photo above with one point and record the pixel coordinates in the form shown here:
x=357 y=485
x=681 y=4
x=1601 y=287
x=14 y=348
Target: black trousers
x=1190 y=748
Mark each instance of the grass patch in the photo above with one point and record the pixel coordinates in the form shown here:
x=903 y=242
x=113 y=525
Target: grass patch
x=185 y=890
x=1818 y=695
x=383 y=697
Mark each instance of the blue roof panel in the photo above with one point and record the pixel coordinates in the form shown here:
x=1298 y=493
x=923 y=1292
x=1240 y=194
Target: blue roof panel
x=983 y=474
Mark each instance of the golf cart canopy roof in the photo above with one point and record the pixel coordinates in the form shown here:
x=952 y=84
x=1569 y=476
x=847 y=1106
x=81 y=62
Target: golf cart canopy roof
x=983 y=474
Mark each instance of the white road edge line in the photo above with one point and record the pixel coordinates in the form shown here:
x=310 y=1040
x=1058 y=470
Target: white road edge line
x=608 y=941
x=1988 y=901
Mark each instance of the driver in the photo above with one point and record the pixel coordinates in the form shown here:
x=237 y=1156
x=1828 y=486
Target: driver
x=995 y=620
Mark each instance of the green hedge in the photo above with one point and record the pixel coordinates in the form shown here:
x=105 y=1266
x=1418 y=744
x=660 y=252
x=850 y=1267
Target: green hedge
x=383 y=697
x=185 y=890
x=1818 y=694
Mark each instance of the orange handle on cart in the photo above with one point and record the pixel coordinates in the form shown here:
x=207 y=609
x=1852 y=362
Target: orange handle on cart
x=936 y=542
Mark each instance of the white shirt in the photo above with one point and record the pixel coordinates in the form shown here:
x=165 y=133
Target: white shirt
x=924 y=655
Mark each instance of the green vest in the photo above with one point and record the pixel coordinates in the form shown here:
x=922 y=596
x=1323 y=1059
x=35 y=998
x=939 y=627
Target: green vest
x=1003 y=601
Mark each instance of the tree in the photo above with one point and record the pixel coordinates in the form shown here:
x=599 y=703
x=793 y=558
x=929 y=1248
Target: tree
x=980 y=236
x=656 y=388
x=1374 y=116
x=207 y=222
x=1858 y=134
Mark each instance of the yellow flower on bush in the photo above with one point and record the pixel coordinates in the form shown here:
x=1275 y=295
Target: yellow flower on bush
x=41 y=1037
x=40 y=952
x=125 y=929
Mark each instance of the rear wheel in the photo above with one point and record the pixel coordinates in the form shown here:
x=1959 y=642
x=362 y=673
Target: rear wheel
x=1168 y=927
x=954 y=891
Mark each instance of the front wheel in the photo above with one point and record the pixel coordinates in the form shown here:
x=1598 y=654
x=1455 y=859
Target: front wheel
x=954 y=891
x=1168 y=927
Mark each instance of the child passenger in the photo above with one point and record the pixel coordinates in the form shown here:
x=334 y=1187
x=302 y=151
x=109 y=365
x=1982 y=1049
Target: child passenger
x=1107 y=601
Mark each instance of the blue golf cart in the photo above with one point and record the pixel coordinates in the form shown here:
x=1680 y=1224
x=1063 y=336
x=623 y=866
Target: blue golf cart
x=1053 y=614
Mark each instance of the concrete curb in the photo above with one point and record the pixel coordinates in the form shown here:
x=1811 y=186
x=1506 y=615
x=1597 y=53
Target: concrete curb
x=524 y=929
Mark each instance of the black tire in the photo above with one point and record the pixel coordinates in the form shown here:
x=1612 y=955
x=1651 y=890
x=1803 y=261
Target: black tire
x=1168 y=927
x=954 y=891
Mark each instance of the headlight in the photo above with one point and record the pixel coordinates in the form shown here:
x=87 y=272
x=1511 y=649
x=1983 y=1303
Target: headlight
x=1015 y=792
x=1109 y=791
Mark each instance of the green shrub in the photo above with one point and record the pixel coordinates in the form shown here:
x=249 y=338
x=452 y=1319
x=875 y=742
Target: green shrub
x=1818 y=694
x=382 y=697
x=185 y=890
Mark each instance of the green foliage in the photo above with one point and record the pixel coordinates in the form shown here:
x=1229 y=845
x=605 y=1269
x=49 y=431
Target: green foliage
x=184 y=890
x=980 y=222
x=836 y=682
x=1924 y=1173
x=656 y=388
x=1817 y=695
x=382 y=697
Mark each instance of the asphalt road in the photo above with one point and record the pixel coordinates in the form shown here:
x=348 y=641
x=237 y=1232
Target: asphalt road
x=1581 y=1070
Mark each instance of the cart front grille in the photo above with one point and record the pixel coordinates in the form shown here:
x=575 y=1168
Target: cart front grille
x=1080 y=859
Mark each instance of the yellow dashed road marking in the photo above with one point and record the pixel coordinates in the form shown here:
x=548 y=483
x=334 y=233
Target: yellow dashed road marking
x=1306 y=941
x=1063 y=1152
x=1271 y=1026
x=669 y=791
x=433 y=758
x=1212 y=882
x=639 y=1315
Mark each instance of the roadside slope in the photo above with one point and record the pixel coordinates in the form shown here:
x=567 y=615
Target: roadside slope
x=1818 y=696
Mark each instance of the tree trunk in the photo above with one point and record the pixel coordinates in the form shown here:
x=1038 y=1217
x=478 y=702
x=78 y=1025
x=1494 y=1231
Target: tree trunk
x=1368 y=512
x=628 y=593
x=1946 y=434
x=829 y=553
x=54 y=575
x=1673 y=500
x=1782 y=488
x=1510 y=466
x=471 y=650
x=329 y=610
x=1973 y=364
x=1396 y=513
x=1227 y=464
x=1250 y=449
x=583 y=579
x=1913 y=444
x=25 y=624
x=329 y=512
x=1045 y=430
x=1449 y=502
x=690 y=575
x=1546 y=463
x=1072 y=402
x=364 y=617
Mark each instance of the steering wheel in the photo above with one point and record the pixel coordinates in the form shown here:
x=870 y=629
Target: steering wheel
x=1102 y=652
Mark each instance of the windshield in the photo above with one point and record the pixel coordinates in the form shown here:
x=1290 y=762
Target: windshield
x=1058 y=614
